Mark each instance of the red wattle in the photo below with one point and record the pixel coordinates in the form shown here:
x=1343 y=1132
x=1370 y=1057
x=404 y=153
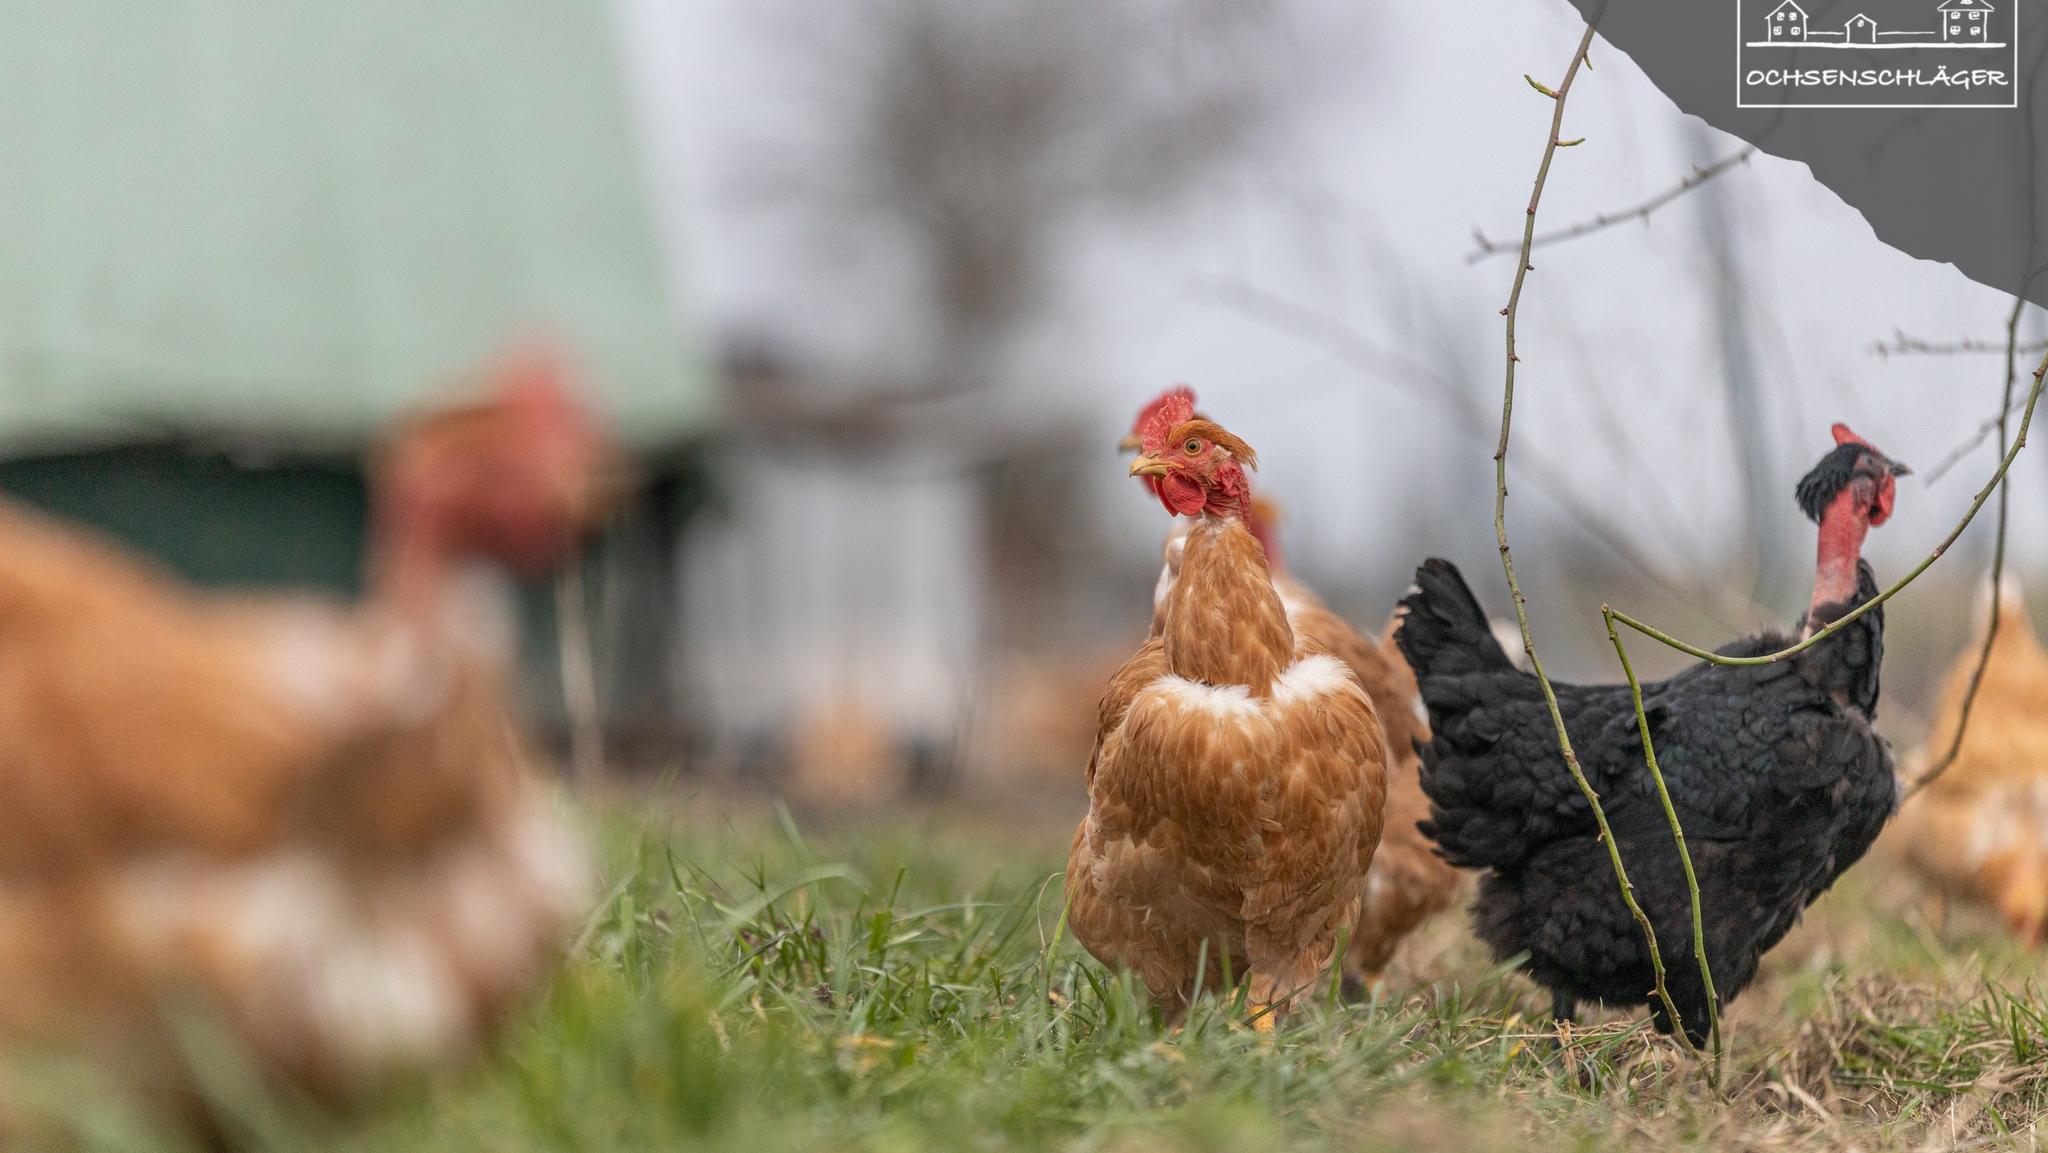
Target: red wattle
x=1881 y=507
x=1182 y=494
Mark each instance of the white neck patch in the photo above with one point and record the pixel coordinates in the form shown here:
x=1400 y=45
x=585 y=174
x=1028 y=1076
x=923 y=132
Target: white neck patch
x=1227 y=702
x=1311 y=677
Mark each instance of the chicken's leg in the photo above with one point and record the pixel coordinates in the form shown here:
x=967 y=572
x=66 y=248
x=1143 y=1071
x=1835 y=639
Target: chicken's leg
x=1271 y=996
x=1564 y=1013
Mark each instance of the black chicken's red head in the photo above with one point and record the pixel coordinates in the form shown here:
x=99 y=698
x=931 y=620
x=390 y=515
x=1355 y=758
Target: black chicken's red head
x=1194 y=465
x=1854 y=465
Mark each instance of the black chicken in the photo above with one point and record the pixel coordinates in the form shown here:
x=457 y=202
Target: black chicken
x=1776 y=773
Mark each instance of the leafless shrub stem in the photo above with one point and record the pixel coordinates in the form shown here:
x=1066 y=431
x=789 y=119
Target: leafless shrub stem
x=1485 y=246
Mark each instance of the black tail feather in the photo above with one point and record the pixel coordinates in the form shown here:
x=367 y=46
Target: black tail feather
x=1443 y=630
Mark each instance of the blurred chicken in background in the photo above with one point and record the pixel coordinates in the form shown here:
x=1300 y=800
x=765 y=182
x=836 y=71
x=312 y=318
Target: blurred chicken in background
x=1980 y=830
x=320 y=822
x=1408 y=882
x=843 y=756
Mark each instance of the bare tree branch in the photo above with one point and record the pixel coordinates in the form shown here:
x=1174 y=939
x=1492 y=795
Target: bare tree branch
x=1955 y=748
x=1971 y=442
x=1715 y=599
x=1485 y=247
x=942 y=150
x=1903 y=345
x=2012 y=346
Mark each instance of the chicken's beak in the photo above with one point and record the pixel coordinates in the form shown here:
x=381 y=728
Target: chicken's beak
x=1149 y=466
x=1131 y=443
x=1900 y=469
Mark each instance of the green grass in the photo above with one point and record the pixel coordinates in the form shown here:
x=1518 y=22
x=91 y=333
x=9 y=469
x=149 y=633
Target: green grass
x=750 y=986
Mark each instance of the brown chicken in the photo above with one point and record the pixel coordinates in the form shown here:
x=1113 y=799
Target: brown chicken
x=1980 y=830
x=1408 y=882
x=318 y=821
x=1237 y=782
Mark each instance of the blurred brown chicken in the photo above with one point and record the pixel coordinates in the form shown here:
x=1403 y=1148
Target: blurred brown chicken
x=318 y=821
x=1980 y=830
x=1408 y=882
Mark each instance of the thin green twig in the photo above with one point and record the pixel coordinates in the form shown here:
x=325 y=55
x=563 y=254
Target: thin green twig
x=1983 y=494
x=1500 y=528
x=2012 y=347
x=2012 y=372
x=1692 y=880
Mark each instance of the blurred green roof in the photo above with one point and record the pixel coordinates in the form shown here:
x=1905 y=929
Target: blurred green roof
x=295 y=219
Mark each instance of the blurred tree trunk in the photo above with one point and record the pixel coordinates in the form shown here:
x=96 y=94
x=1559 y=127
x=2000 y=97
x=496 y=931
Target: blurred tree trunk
x=1768 y=550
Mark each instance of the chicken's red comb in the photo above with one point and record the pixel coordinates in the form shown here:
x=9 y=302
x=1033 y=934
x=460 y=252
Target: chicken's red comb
x=1844 y=436
x=534 y=375
x=536 y=383
x=1170 y=411
x=1180 y=391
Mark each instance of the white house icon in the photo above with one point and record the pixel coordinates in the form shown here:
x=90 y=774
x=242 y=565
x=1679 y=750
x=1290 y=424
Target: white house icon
x=1959 y=24
x=1788 y=21
x=1963 y=20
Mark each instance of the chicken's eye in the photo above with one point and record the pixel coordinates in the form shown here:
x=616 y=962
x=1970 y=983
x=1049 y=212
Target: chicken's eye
x=1193 y=447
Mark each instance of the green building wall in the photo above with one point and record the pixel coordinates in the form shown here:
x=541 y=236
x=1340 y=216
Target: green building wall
x=211 y=519
x=238 y=240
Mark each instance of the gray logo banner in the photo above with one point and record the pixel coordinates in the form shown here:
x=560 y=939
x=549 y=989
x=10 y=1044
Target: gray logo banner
x=1925 y=115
